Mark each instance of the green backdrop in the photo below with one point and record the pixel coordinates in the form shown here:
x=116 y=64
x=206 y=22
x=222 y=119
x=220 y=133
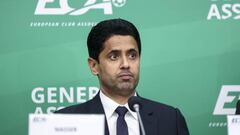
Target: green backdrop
x=190 y=49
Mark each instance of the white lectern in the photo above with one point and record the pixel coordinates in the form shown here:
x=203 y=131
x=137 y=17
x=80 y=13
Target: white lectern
x=233 y=124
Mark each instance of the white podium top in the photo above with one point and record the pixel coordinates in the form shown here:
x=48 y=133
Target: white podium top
x=66 y=124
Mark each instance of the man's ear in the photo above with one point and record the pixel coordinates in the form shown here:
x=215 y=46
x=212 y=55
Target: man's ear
x=93 y=65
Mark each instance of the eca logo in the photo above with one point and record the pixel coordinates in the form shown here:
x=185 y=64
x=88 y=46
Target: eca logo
x=227 y=99
x=64 y=8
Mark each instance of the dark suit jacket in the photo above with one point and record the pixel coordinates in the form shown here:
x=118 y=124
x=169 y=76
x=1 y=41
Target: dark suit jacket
x=158 y=119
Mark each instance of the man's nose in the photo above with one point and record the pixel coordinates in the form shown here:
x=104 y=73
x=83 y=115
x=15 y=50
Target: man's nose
x=125 y=63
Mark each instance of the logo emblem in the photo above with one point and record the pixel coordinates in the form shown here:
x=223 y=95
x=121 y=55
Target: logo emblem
x=64 y=8
x=227 y=99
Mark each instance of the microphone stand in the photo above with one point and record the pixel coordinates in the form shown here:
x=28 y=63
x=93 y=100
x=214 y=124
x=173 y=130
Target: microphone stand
x=136 y=107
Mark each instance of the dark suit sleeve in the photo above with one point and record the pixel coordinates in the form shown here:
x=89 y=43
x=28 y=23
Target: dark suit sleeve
x=182 y=128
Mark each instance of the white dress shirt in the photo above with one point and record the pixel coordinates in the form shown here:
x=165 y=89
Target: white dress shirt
x=109 y=107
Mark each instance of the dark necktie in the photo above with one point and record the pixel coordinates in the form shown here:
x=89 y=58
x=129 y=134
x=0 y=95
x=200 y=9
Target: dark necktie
x=122 y=128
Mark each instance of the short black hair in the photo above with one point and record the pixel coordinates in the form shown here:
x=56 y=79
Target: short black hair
x=106 y=29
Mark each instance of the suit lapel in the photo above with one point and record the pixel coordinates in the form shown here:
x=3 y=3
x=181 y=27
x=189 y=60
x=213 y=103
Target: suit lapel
x=96 y=107
x=148 y=118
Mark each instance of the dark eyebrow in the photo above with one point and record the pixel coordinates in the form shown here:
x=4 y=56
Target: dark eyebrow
x=114 y=52
x=132 y=50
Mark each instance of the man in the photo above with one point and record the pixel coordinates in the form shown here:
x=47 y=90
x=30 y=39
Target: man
x=114 y=48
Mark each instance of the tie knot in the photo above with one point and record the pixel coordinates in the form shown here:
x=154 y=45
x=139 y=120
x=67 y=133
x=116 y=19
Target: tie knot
x=121 y=110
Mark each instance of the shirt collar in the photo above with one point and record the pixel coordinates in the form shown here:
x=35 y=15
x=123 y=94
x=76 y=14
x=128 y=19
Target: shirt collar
x=110 y=106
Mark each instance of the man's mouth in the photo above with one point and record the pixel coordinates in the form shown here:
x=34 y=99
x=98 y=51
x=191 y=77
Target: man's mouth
x=125 y=76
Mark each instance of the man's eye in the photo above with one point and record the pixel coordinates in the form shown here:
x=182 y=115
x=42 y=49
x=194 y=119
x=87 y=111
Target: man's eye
x=132 y=55
x=113 y=57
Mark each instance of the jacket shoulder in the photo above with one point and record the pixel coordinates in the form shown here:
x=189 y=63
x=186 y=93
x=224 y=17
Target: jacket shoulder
x=93 y=106
x=157 y=105
x=78 y=108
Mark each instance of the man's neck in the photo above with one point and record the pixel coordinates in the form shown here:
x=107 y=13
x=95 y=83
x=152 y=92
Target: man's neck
x=121 y=99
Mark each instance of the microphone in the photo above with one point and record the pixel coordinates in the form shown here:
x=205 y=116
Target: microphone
x=238 y=107
x=135 y=105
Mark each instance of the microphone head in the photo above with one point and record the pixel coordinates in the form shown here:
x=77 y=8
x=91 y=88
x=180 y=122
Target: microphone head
x=238 y=107
x=134 y=100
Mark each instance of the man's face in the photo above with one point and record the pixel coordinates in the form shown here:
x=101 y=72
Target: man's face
x=118 y=67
